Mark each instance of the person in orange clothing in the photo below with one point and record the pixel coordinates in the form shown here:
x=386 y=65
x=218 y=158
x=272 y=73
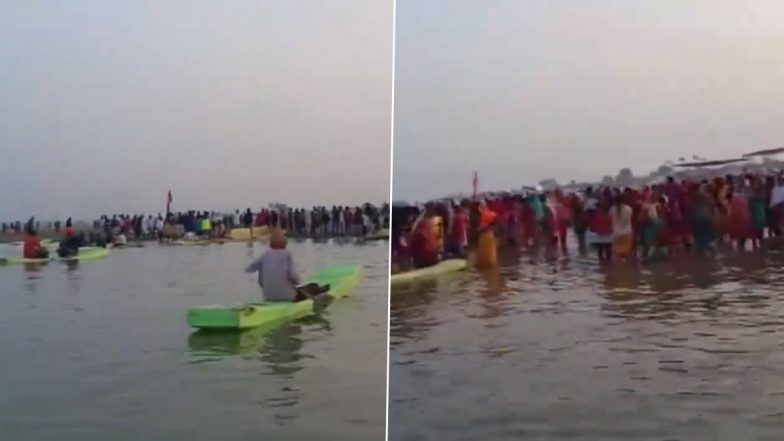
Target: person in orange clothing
x=424 y=244
x=487 y=250
x=32 y=246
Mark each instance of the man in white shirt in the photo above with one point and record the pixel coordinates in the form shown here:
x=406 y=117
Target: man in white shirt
x=143 y=228
x=367 y=222
x=151 y=225
x=159 y=224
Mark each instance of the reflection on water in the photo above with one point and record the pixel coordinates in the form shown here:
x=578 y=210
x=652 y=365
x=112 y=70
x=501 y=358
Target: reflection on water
x=101 y=350
x=561 y=348
x=279 y=345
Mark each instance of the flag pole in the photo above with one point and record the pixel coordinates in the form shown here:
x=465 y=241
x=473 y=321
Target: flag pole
x=475 y=184
x=168 y=203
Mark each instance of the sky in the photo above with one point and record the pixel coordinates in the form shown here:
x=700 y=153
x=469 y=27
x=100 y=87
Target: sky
x=523 y=90
x=105 y=106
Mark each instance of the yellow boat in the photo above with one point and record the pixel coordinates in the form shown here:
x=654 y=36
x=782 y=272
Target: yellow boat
x=249 y=233
x=230 y=239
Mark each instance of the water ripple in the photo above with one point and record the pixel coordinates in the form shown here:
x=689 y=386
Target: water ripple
x=545 y=348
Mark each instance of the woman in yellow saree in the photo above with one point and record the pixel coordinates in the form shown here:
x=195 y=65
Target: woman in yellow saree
x=487 y=249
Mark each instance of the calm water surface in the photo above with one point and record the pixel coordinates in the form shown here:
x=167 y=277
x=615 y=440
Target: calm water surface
x=561 y=349
x=102 y=351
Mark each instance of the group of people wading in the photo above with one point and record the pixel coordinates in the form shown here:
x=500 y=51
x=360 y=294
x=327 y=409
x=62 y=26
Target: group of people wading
x=686 y=216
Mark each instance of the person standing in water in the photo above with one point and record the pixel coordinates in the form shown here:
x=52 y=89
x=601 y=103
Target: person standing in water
x=758 y=206
x=487 y=248
x=424 y=244
x=600 y=231
x=247 y=219
x=458 y=232
x=69 y=229
x=278 y=277
x=702 y=212
x=623 y=237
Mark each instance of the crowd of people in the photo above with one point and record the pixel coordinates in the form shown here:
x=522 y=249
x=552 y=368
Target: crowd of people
x=316 y=222
x=686 y=216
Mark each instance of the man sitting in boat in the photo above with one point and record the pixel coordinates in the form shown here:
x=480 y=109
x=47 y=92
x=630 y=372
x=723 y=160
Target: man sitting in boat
x=120 y=240
x=69 y=247
x=277 y=274
x=32 y=246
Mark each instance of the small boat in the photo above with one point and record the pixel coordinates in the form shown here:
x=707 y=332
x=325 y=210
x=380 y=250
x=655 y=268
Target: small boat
x=128 y=245
x=381 y=235
x=233 y=240
x=444 y=267
x=87 y=253
x=187 y=242
x=254 y=233
x=342 y=280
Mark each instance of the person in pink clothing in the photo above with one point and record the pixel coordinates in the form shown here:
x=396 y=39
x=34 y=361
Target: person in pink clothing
x=561 y=218
x=739 y=218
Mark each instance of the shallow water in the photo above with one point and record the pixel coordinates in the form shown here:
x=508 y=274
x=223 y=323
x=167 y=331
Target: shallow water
x=563 y=349
x=102 y=351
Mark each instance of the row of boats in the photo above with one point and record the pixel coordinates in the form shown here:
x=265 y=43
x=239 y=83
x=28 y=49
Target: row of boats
x=264 y=315
x=258 y=316
x=85 y=253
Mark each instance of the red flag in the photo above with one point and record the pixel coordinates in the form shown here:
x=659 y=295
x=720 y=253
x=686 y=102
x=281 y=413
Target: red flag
x=168 y=202
x=476 y=183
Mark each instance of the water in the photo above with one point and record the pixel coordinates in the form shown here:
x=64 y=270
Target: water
x=561 y=349
x=102 y=351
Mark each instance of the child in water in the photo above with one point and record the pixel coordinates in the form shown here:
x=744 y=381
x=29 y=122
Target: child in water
x=278 y=276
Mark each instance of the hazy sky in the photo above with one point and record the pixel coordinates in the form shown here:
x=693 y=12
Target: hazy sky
x=525 y=90
x=106 y=105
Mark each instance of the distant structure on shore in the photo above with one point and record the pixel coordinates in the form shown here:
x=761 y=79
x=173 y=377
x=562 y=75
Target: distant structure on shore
x=626 y=178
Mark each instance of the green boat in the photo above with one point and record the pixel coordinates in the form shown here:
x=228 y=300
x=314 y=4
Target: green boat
x=87 y=253
x=342 y=280
x=444 y=267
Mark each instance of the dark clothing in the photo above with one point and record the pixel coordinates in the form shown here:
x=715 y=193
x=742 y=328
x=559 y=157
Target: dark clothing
x=247 y=220
x=69 y=247
x=305 y=292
